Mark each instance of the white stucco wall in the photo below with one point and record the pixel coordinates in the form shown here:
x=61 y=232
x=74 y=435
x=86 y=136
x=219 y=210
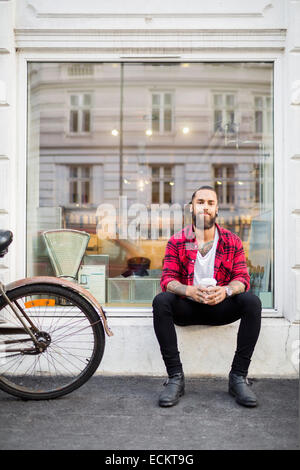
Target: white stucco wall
x=8 y=141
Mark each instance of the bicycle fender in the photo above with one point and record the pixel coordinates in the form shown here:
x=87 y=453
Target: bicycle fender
x=63 y=283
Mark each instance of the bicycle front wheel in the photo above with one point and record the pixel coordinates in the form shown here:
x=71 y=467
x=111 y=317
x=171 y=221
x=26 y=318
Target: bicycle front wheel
x=70 y=336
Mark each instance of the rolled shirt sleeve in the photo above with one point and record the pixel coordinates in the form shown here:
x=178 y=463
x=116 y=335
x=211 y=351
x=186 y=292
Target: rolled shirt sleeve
x=240 y=270
x=171 y=268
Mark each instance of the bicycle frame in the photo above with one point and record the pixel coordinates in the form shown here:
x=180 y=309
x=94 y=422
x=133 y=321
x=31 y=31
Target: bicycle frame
x=4 y=290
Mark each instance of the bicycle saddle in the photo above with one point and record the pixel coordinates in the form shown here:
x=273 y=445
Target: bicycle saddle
x=6 y=237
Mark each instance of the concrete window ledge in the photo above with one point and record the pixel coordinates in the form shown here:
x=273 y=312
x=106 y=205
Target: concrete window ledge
x=204 y=350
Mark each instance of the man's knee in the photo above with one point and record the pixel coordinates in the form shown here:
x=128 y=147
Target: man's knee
x=251 y=302
x=162 y=300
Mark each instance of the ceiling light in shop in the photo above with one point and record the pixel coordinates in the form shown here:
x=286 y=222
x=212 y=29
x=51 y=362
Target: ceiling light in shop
x=141 y=185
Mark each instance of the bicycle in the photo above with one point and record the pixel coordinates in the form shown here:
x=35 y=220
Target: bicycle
x=52 y=335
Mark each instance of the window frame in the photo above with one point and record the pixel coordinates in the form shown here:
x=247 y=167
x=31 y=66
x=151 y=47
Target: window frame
x=225 y=179
x=162 y=179
x=224 y=109
x=281 y=270
x=80 y=180
x=267 y=128
x=161 y=107
x=80 y=108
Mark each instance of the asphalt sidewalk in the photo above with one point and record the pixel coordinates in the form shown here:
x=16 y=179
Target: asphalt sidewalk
x=122 y=413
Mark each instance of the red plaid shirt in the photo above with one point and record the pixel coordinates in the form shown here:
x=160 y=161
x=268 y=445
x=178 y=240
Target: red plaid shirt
x=181 y=253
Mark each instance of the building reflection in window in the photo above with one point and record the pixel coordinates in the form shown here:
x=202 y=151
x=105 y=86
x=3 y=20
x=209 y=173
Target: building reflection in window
x=147 y=135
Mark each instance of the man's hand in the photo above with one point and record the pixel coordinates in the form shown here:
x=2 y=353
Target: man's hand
x=215 y=295
x=207 y=295
x=197 y=293
x=211 y=295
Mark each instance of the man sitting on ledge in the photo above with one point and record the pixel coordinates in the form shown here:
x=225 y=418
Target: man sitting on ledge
x=206 y=250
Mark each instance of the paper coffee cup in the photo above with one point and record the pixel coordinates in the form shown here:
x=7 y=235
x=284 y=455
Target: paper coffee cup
x=208 y=281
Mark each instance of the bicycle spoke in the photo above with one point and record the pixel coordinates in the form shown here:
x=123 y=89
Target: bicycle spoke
x=74 y=355
x=60 y=362
x=72 y=333
x=9 y=368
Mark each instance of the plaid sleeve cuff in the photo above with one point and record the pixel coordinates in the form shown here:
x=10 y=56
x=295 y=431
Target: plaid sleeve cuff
x=165 y=281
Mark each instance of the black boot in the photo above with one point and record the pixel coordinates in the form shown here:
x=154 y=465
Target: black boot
x=173 y=391
x=239 y=387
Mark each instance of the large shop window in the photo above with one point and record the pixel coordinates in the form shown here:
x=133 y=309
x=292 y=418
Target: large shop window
x=117 y=149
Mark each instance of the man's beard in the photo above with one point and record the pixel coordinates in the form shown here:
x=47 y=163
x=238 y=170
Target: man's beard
x=203 y=223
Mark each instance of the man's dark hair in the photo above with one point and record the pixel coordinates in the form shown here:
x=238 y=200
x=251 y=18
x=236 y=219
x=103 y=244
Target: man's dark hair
x=203 y=187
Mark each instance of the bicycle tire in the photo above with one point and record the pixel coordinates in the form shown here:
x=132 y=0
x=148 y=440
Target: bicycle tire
x=84 y=318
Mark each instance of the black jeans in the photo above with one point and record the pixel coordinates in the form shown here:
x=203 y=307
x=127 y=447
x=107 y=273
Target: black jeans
x=170 y=309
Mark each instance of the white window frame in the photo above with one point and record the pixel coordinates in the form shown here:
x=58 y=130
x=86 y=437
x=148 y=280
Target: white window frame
x=80 y=179
x=224 y=109
x=18 y=223
x=264 y=109
x=80 y=108
x=161 y=108
x=63 y=164
x=162 y=179
x=224 y=166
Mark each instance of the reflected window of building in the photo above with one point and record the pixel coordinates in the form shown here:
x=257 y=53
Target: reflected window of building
x=162 y=184
x=256 y=184
x=79 y=185
x=162 y=112
x=105 y=182
x=80 y=113
x=224 y=184
x=224 y=112
x=263 y=114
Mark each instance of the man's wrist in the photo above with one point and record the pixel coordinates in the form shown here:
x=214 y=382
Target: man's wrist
x=177 y=288
x=236 y=287
x=188 y=291
x=228 y=291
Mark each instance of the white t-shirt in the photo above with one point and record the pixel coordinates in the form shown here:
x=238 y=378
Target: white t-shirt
x=204 y=265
